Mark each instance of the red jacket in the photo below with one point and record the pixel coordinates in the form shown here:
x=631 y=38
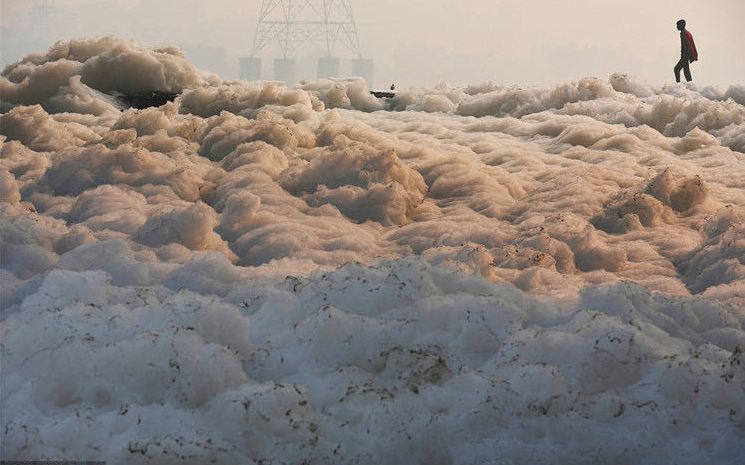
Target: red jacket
x=688 y=46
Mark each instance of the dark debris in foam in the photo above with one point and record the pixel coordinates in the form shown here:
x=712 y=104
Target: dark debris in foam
x=146 y=100
x=382 y=94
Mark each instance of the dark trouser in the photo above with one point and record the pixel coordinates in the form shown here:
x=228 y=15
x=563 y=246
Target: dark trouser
x=683 y=64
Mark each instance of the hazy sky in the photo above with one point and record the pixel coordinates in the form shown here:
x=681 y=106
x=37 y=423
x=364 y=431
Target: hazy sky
x=429 y=41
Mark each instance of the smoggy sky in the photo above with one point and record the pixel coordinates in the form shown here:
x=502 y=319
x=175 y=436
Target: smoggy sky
x=425 y=42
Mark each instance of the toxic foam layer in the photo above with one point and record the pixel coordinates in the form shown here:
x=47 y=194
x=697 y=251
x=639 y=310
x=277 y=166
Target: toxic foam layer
x=369 y=365
x=562 y=275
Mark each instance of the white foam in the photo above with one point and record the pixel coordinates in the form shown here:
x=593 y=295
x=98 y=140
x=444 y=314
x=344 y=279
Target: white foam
x=548 y=275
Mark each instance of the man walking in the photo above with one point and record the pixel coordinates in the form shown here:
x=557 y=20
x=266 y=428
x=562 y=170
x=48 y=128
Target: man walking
x=688 y=52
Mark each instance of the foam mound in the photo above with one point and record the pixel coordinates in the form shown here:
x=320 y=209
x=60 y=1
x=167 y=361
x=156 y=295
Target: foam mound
x=367 y=365
x=261 y=274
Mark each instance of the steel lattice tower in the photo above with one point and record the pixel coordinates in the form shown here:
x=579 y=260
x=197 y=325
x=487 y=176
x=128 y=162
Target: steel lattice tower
x=288 y=25
x=293 y=23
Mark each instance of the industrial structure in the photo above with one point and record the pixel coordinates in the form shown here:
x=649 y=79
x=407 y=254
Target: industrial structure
x=288 y=26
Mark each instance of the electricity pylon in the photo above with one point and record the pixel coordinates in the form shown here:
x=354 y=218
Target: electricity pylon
x=288 y=25
x=292 y=23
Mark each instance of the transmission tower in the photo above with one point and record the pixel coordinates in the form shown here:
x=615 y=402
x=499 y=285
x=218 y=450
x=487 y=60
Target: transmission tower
x=291 y=24
x=288 y=25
